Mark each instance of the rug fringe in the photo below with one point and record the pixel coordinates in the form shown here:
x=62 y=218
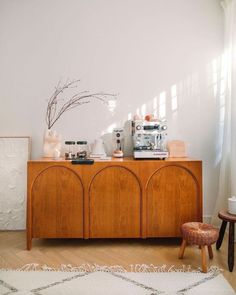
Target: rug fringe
x=137 y=268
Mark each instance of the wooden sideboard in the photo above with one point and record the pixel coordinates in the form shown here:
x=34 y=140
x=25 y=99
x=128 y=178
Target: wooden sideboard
x=121 y=198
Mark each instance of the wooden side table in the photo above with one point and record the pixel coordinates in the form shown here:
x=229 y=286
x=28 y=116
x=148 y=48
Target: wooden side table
x=227 y=217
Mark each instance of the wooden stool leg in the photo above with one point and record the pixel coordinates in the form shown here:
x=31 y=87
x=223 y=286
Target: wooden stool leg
x=221 y=235
x=204 y=262
x=182 y=249
x=210 y=252
x=231 y=247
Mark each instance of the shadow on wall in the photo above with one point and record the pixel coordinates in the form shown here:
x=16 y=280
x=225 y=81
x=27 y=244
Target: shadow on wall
x=183 y=102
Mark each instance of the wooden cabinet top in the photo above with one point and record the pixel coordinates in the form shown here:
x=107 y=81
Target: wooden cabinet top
x=120 y=160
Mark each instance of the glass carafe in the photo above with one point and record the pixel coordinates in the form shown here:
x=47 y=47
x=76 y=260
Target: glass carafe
x=69 y=154
x=82 y=149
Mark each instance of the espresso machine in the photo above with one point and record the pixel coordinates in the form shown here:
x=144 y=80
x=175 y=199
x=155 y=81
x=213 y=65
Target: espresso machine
x=149 y=139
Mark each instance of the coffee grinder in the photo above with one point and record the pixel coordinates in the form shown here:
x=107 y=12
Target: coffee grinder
x=118 y=139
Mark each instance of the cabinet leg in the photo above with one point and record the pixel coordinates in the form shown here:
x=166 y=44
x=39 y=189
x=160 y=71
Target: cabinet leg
x=182 y=249
x=231 y=247
x=29 y=243
x=221 y=234
x=204 y=261
x=210 y=252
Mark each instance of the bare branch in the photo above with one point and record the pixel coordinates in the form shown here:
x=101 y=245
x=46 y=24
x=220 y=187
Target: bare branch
x=54 y=111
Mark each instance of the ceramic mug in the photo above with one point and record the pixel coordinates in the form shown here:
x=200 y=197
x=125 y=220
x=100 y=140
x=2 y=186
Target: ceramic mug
x=232 y=205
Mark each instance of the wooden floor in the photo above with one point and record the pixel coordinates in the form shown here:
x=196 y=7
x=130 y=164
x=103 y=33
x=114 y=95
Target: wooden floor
x=13 y=253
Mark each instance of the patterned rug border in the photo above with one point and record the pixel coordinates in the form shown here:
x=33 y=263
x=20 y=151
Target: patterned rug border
x=135 y=268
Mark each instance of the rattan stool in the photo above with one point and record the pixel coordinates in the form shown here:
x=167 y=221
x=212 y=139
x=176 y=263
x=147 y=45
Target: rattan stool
x=201 y=234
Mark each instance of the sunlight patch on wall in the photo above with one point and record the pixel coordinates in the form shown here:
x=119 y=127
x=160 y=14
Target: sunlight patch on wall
x=112 y=105
x=214 y=76
x=111 y=127
x=222 y=101
x=162 y=105
x=174 y=100
x=143 y=110
x=220 y=68
x=155 y=104
x=223 y=75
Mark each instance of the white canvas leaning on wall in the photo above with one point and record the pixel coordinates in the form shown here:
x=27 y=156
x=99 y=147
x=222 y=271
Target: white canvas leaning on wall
x=14 y=154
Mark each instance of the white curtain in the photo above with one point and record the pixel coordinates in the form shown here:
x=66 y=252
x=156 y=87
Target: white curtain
x=227 y=178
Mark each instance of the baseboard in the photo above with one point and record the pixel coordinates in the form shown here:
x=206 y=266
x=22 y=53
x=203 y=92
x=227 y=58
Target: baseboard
x=207 y=218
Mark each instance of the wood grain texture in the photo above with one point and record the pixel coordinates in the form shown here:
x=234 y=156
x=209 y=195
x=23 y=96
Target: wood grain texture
x=119 y=198
x=124 y=252
x=221 y=234
x=231 y=247
x=227 y=217
x=182 y=249
x=172 y=199
x=210 y=252
x=115 y=204
x=57 y=204
x=224 y=215
x=204 y=258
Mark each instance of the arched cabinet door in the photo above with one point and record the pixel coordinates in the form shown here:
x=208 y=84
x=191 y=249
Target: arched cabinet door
x=57 y=204
x=172 y=199
x=114 y=200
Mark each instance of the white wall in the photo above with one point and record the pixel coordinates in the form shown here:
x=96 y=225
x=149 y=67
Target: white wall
x=148 y=51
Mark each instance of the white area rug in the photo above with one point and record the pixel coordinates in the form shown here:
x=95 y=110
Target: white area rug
x=99 y=280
